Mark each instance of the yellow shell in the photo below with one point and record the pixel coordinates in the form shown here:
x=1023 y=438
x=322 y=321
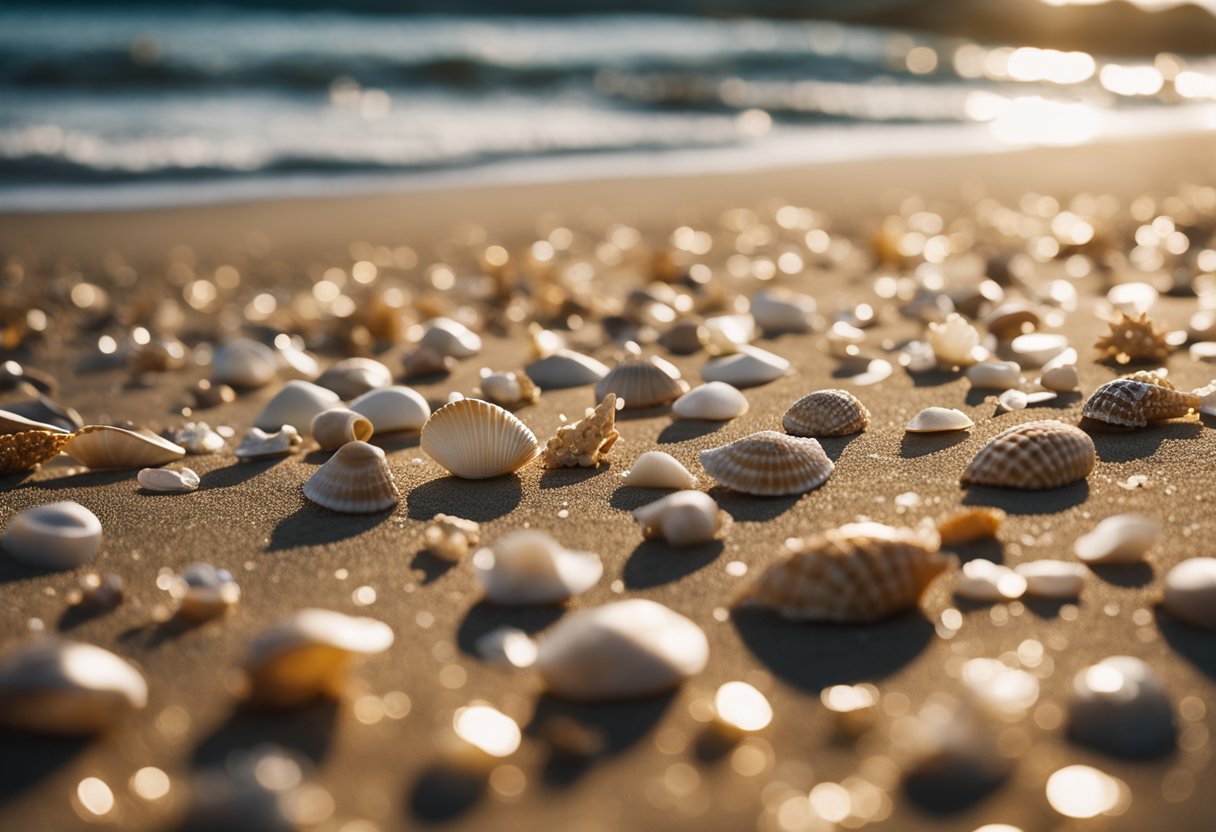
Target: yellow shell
x=1132 y=339
x=969 y=524
x=861 y=572
x=102 y=446
x=826 y=413
x=769 y=464
x=1136 y=400
x=641 y=382
x=22 y=451
x=1033 y=456
x=475 y=439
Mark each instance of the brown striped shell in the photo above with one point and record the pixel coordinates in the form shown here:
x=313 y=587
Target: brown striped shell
x=858 y=573
x=1136 y=400
x=642 y=382
x=1033 y=456
x=22 y=451
x=769 y=464
x=826 y=413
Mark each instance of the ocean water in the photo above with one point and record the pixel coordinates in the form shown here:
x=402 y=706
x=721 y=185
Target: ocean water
x=118 y=104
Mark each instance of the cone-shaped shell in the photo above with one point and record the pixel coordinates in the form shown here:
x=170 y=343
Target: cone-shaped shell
x=102 y=446
x=749 y=367
x=860 y=572
x=657 y=469
x=769 y=464
x=353 y=377
x=476 y=440
x=393 y=408
x=565 y=368
x=686 y=518
x=530 y=567
x=1033 y=456
x=826 y=413
x=297 y=404
x=1135 y=401
x=244 y=362
x=714 y=401
x=642 y=382
x=334 y=428
x=355 y=480
x=22 y=451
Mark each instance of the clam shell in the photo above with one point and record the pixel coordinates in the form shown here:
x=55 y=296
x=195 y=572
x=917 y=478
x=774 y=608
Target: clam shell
x=1135 y=401
x=585 y=443
x=1190 y=592
x=353 y=377
x=1033 y=456
x=355 y=480
x=102 y=446
x=656 y=469
x=22 y=451
x=642 y=382
x=476 y=440
x=1052 y=578
x=393 y=408
x=565 y=368
x=258 y=444
x=714 y=401
x=12 y=423
x=861 y=572
x=619 y=651
x=243 y=362
x=451 y=338
x=778 y=312
x=530 y=567
x=1123 y=538
x=1120 y=706
x=297 y=404
x=826 y=413
x=65 y=688
x=769 y=464
x=994 y=375
x=969 y=525
x=164 y=479
x=686 y=518
x=334 y=428
x=749 y=367
x=60 y=535
x=939 y=419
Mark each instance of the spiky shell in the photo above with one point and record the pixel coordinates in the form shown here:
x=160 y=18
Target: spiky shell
x=22 y=451
x=355 y=480
x=826 y=413
x=102 y=446
x=1132 y=339
x=585 y=443
x=476 y=440
x=334 y=428
x=642 y=382
x=1138 y=399
x=1033 y=456
x=769 y=464
x=970 y=524
x=861 y=572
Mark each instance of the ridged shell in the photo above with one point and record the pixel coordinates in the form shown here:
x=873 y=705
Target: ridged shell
x=826 y=413
x=353 y=377
x=22 y=451
x=297 y=404
x=642 y=382
x=861 y=572
x=244 y=362
x=102 y=446
x=355 y=480
x=475 y=439
x=1136 y=400
x=334 y=428
x=565 y=368
x=1033 y=456
x=393 y=408
x=769 y=464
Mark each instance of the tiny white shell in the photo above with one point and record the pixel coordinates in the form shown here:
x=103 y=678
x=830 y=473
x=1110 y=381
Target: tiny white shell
x=1120 y=706
x=935 y=419
x=393 y=408
x=355 y=480
x=1012 y=400
x=1123 y=538
x=983 y=580
x=258 y=444
x=243 y=362
x=1062 y=379
x=994 y=375
x=297 y=404
x=334 y=428
x=1207 y=399
x=449 y=337
x=954 y=341
x=353 y=377
x=1132 y=298
x=749 y=367
x=657 y=469
x=203 y=592
x=530 y=567
x=565 y=368
x=1037 y=348
x=713 y=401
x=508 y=389
x=508 y=647
x=1052 y=578
x=1190 y=592
x=686 y=518
x=779 y=311
x=60 y=535
x=165 y=479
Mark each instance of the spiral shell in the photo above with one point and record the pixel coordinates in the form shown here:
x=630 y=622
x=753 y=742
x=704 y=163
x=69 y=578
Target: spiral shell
x=1033 y=456
x=1136 y=400
x=355 y=480
x=334 y=428
x=102 y=446
x=642 y=382
x=826 y=413
x=769 y=464
x=476 y=440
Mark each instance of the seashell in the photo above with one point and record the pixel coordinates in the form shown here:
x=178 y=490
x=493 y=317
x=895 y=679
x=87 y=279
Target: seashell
x=1132 y=298
x=1037 y=348
x=451 y=338
x=544 y=342
x=749 y=367
x=1207 y=398
x=198 y=438
x=1123 y=538
x=22 y=451
x=295 y=362
x=393 y=408
x=983 y=580
x=476 y=440
x=1132 y=339
x=726 y=334
x=1136 y=400
x=826 y=413
x=164 y=479
x=740 y=708
x=860 y=572
x=1062 y=379
x=685 y=337
x=714 y=401
x=955 y=342
x=1033 y=456
x=297 y=404
x=938 y=419
x=586 y=442
x=102 y=446
x=845 y=340
x=1190 y=592
x=508 y=389
x=451 y=538
x=1065 y=358
x=99 y=593
x=306 y=655
x=686 y=518
x=60 y=535
x=425 y=361
x=159 y=355
x=530 y=567
x=1120 y=706
x=1011 y=320
x=618 y=651
x=876 y=370
x=508 y=647
x=918 y=357
x=769 y=464
x=334 y=428
x=258 y=444
x=208 y=395
x=656 y=469
x=39 y=414
x=1052 y=578
x=203 y=592
x=1202 y=351
x=778 y=311
x=642 y=382
x=12 y=423
x=1002 y=692
x=65 y=688
x=970 y=525
x=355 y=480
x=950 y=756
x=994 y=375
x=565 y=368
x=1012 y=400
x=243 y=362
x=353 y=377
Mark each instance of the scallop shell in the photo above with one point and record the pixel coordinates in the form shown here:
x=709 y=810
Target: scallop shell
x=749 y=367
x=164 y=479
x=1033 y=456
x=1122 y=538
x=530 y=567
x=1121 y=707
x=22 y=451
x=1190 y=592
x=642 y=382
x=585 y=443
x=686 y=518
x=60 y=535
x=1132 y=339
x=353 y=377
x=1136 y=400
x=451 y=338
x=334 y=428
x=826 y=413
x=508 y=389
x=243 y=362
x=258 y=444
x=476 y=440
x=969 y=525
x=565 y=368
x=102 y=446
x=297 y=404
x=656 y=469
x=939 y=419
x=451 y=537
x=393 y=408
x=355 y=480
x=861 y=572
x=778 y=311
x=619 y=651
x=713 y=401
x=769 y=464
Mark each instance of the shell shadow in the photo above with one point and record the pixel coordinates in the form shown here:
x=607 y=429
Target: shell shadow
x=430 y=565
x=484 y=617
x=75 y=615
x=12 y=570
x=1195 y=645
x=682 y=430
x=630 y=414
x=563 y=477
x=655 y=562
x=1016 y=501
x=815 y=656
x=308 y=730
x=1126 y=447
x=316 y=457
x=444 y=792
x=630 y=497
x=396 y=441
x=236 y=474
x=834 y=446
x=989 y=548
x=153 y=635
x=915 y=445
x=27 y=759
x=745 y=507
x=934 y=378
x=1129 y=575
x=477 y=500
x=1045 y=607
x=88 y=479
x=310 y=525
x=977 y=395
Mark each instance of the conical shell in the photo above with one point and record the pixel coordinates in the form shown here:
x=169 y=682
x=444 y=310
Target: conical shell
x=769 y=464
x=530 y=567
x=334 y=428
x=1136 y=400
x=642 y=382
x=565 y=368
x=22 y=451
x=686 y=518
x=860 y=572
x=826 y=413
x=297 y=404
x=714 y=401
x=244 y=362
x=355 y=480
x=656 y=469
x=1033 y=456
x=102 y=446
x=353 y=377
x=393 y=408
x=475 y=439
x=748 y=367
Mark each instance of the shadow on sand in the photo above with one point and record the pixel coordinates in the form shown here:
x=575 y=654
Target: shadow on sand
x=479 y=500
x=655 y=562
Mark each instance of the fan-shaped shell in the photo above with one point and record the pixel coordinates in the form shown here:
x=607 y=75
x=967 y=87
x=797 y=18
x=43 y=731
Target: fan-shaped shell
x=748 y=367
x=1136 y=400
x=244 y=362
x=860 y=572
x=102 y=446
x=642 y=382
x=297 y=404
x=714 y=401
x=657 y=469
x=452 y=338
x=769 y=464
x=334 y=428
x=353 y=377
x=393 y=408
x=475 y=439
x=22 y=451
x=355 y=480
x=826 y=413
x=1033 y=456
x=565 y=368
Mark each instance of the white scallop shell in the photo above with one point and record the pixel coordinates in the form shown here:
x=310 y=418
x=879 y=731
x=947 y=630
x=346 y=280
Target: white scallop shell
x=686 y=518
x=393 y=408
x=297 y=404
x=60 y=535
x=714 y=401
x=935 y=419
x=780 y=311
x=994 y=375
x=355 y=480
x=449 y=337
x=1190 y=592
x=165 y=479
x=955 y=342
x=102 y=446
x=258 y=444
x=1120 y=706
x=353 y=377
x=476 y=440
x=1123 y=538
x=334 y=428
x=530 y=567
x=749 y=367
x=243 y=362
x=1052 y=578
x=769 y=464
x=656 y=469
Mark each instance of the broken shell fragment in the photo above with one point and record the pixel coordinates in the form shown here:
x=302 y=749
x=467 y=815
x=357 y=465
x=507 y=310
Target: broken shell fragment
x=1033 y=456
x=353 y=377
x=258 y=444
x=102 y=446
x=939 y=419
x=686 y=518
x=983 y=580
x=334 y=428
x=955 y=342
x=657 y=469
x=60 y=535
x=969 y=525
x=714 y=401
x=1120 y=706
x=297 y=404
x=1058 y=579
x=355 y=480
x=451 y=338
x=1137 y=400
x=203 y=592
x=198 y=438
x=585 y=443
x=508 y=389
x=164 y=479
x=565 y=368
x=530 y=567
x=1190 y=592
x=476 y=440
x=749 y=367
x=22 y=451
x=394 y=408
x=1123 y=538
x=826 y=413
x=994 y=375
x=1012 y=400
x=769 y=464
x=642 y=382
x=243 y=362
x=451 y=538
